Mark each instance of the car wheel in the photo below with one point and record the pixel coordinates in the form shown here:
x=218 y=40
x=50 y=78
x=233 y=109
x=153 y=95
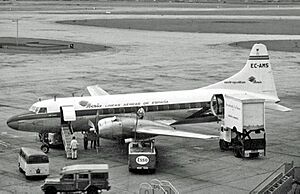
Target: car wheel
x=20 y=169
x=237 y=152
x=223 y=145
x=92 y=190
x=152 y=171
x=50 y=190
x=45 y=148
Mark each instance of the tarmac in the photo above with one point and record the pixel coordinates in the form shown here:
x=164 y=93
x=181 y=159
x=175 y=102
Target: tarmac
x=141 y=61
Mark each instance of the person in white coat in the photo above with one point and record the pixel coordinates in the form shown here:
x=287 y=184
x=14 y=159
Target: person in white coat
x=74 y=145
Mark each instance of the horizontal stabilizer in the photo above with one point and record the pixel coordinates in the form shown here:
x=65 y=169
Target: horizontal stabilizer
x=174 y=133
x=96 y=91
x=274 y=106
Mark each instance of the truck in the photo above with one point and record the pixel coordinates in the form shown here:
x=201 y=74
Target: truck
x=142 y=156
x=243 y=128
x=90 y=178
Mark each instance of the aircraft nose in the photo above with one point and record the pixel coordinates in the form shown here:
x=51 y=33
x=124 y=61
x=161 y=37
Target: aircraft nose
x=12 y=122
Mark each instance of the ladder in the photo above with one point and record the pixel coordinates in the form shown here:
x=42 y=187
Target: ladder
x=66 y=134
x=280 y=181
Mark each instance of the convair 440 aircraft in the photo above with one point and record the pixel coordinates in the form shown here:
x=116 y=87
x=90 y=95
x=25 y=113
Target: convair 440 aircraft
x=145 y=115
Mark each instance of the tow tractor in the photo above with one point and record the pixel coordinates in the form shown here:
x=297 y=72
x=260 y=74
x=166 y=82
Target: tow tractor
x=142 y=156
x=243 y=127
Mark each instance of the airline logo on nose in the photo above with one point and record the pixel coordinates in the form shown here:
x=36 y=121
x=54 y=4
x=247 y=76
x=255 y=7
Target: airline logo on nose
x=87 y=104
x=83 y=103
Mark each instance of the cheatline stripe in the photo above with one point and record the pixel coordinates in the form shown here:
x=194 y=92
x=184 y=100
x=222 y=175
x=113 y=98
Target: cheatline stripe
x=262 y=57
x=117 y=110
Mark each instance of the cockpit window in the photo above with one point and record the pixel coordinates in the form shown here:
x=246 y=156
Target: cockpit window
x=42 y=110
x=32 y=109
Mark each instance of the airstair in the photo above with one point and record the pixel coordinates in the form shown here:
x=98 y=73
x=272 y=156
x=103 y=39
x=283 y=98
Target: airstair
x=67 y=116
x=285 y=179
x=67 y=134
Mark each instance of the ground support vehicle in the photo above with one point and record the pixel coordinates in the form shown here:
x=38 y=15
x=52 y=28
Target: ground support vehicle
x=142 y=156
x=244 y=126
x=33 y=163
x=90 y=178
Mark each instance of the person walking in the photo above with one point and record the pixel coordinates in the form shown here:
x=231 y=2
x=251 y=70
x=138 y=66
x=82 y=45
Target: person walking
x=74 y=145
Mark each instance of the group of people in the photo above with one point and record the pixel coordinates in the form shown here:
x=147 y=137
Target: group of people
x=90 y=136
x=87 y=136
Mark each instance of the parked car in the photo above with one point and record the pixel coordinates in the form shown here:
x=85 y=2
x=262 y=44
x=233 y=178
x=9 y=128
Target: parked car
x=33 y=162
x=90 y=178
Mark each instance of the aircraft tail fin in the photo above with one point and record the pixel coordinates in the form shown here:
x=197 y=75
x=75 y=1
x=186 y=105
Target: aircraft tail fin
x=256 y=76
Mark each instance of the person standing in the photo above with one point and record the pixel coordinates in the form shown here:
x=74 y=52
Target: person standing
x=74 y=145
x=93 y=138
x=85 y=140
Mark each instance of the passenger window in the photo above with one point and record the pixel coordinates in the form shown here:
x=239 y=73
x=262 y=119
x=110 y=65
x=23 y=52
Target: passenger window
x=171 y=107
x=99 y=176
x=127 y=109
x=134 y=109
x=69 y=177
x=176 y=106
x=100 y=111
x=83 y=176
x=105 y=111
x=182 y=106
x=152 y=108
x=111 y=111
x=122 y=110
x=42 y=110
x=119 y=110
x=163 y=107
x=193 y=105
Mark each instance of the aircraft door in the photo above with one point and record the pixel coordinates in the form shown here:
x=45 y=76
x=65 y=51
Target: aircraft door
x=67 y=114
x=217 y=105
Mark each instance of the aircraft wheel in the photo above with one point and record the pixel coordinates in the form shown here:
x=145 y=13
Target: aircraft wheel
x=45 y=148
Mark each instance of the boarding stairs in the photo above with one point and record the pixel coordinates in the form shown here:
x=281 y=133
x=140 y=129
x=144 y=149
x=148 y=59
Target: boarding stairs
x=285 y=179
x=67 y=134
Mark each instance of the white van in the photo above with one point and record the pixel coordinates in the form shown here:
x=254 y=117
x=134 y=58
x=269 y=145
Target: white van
x=33 y=162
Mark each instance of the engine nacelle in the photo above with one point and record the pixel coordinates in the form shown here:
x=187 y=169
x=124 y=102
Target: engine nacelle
x=116 y=127
x=124 y=127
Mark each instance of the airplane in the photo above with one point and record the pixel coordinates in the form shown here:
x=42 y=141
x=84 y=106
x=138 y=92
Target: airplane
x=146 y=115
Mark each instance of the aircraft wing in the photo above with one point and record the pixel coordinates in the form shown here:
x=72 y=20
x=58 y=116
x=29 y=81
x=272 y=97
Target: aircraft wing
x=96 y=91
x=169 y=131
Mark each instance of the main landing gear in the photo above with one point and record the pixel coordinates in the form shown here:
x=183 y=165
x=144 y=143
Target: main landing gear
x=45 y=142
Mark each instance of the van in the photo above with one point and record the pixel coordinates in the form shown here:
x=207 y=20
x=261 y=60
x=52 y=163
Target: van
x=33 y=162
x=90 y=178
